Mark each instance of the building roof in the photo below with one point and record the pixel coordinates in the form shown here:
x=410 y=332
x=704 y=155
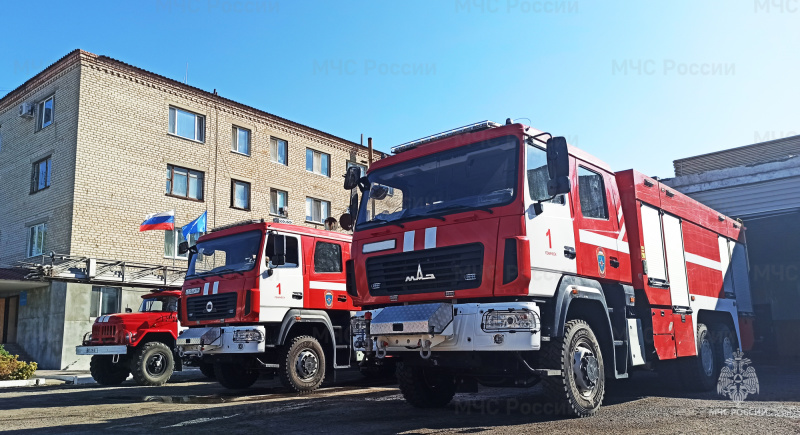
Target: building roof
x=748 y=155
x=77 y=54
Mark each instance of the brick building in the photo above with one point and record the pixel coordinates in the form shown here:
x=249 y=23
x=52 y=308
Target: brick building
x=91 y=145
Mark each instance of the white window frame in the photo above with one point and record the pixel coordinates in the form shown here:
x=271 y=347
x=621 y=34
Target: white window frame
x=236 y=145
x=199 y=124
x=316 y=162
x=273 y=205
x=315 y=202
x=99 y=312
x=274 y=143
x=34 y=231
x=177 y=238
x=40 y=112
x=190 y=173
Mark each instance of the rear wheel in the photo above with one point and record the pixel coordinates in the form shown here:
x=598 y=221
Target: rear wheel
x=723 y=343
x=302 y=364
x=700 y=372
x=152 y=364
x=424 y=387
x=234 y=376
x=581 y=386
x=106 y=372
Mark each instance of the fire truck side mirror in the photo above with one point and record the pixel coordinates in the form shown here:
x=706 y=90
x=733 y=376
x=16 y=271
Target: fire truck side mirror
x=276 y=249
x=183 y=248
x=351 y=177
x=558 y=166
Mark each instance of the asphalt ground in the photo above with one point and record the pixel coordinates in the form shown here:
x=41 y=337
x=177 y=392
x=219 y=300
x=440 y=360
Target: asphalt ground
x=644 y=404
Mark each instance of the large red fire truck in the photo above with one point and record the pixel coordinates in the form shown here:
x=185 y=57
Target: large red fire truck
x=499 y=255
x=263 y=297
x=142 y=343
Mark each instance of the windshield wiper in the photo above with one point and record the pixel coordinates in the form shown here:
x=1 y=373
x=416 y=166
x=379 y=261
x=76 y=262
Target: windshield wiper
x=461 y=207
x=377 y=219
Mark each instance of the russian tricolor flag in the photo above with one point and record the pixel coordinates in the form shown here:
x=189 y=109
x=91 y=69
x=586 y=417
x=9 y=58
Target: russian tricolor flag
x=159 y=221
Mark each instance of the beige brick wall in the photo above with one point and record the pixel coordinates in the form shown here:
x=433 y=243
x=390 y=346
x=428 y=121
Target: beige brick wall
x=111 y=147
x=22 y=145
x=124 y=149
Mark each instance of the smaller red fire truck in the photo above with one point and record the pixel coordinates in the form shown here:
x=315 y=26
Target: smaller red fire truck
x=142 y=344
x=269 y=298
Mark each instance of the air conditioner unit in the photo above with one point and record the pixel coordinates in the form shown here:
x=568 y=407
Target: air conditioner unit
x=26 y=110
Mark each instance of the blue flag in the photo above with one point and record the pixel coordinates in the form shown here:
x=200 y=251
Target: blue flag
x=196 y=226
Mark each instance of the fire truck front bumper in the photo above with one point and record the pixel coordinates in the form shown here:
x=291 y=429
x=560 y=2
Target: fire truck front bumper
x=101 y=350
x=425 y=328
x=222 y=340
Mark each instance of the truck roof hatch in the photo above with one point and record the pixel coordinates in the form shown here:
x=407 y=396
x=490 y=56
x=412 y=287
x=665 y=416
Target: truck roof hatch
x=478 y=126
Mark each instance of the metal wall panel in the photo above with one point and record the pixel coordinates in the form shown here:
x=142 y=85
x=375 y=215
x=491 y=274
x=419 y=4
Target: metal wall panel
x=753 y=199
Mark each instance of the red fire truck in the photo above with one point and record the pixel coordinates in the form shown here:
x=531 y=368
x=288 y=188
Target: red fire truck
x=499 y=255
x=142 y=344
x=269 y=298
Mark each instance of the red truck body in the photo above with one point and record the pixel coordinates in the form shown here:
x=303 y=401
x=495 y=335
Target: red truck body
x=653 y=273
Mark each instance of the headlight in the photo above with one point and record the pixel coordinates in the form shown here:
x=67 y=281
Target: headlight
x=510 y=320
x=247 y=336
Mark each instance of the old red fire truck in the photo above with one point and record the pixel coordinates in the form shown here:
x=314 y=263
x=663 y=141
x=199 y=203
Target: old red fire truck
x=499 y=255
x=142 y=343
x=269 y=298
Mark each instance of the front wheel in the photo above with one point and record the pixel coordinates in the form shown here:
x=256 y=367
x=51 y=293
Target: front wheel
x=152 y=364
x=303 y=364
x=106 y=372
x=581 y=386
x=234 y=376
x=425 y=387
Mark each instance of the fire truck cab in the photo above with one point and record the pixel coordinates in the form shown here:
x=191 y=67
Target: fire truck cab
x=499 y=255
x=269 y=298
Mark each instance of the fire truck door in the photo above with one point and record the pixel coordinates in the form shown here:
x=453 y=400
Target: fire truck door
x=282 y=286
x=551 y=232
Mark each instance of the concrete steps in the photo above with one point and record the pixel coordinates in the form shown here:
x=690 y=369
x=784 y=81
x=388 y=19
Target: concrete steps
x=15 y=349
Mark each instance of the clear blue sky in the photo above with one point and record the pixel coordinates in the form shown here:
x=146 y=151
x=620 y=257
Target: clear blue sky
x=637 y=83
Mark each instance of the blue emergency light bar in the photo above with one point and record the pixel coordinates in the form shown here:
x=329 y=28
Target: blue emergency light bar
x=483 y=125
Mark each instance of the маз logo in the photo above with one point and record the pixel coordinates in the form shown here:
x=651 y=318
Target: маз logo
x=738 y=378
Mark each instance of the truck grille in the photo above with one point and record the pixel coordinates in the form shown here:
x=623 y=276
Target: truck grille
x=223 y=306
x=431 y=270
x=104 y=333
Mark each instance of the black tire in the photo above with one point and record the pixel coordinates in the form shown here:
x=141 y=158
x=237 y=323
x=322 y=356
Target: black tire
x=374 y=371
x=577 y=394
x=700 y=372
x=105 y=372
x=723 y=342
x=234 y=376
x=302 y=364
x=152 y=364
x=207 y=369
x=424 y=387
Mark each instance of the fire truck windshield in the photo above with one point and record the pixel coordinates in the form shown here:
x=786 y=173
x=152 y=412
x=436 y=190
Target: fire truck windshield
x=162 y=304
x=472 y=177
x=233 y=253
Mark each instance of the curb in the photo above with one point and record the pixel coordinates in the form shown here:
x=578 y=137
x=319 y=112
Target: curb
x=72 y=379
x=22 y=383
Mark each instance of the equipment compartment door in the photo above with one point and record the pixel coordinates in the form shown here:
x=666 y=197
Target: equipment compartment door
x=676 y=262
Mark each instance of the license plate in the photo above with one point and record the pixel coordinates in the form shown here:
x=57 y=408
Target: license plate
x=192 y=291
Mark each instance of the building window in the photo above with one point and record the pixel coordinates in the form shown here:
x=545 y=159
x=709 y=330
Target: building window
x=241 y=140
x=37 y=239
x=187 y=124
x=317 y=210
x=327 y=258
x=278 y=151
x=40 y=176
x=44 y=113
x=277 y=202
x=240 y=195
x=184 y=183
x=105 y=300
x=593 y=194
x=174 y=238
x=318 y=163
x=358 y=165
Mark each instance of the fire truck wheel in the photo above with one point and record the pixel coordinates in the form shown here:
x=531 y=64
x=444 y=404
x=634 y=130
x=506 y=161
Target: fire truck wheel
x=207 y=369
x=153 y=363
x=423 y=387
x=700 y=372
x=723 y=342
x=303 y=364
x=581 y=386
x=234 y=376
x=105 y=372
